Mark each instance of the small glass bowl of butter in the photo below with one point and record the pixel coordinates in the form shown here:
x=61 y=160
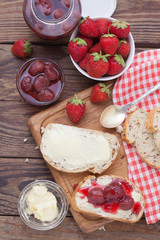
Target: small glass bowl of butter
x=42 y=205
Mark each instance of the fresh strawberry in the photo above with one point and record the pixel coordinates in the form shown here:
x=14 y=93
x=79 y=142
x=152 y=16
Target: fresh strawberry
x=120 y=29
x=77 y=48
x=87 y=28
x=116 y=64
x=89 y=41
x=100 y=92
x=109 y=43
x=22 y=48
x=97 y=65
x=102 y=25
x=96 y=48
x=83 y=61
x=124 y=48
x=75 y=109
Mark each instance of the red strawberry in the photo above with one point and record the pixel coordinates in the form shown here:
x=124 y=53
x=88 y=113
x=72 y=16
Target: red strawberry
x=77 y=48
x=22 y=48
x=102 y=25
x=75 y=109
x=124 y=48
x=116 y=64
x=100 y=92
x=89 y=41
x=109 y=43
x=88 y=28
x=83 y=61
x=96 y=48
x=120 y=29
x=97 y=65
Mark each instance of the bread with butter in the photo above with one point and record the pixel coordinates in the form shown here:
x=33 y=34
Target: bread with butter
x=81 y=199
x=73 y=149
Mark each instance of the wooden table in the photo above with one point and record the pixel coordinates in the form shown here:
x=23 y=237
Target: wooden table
x=15 y=173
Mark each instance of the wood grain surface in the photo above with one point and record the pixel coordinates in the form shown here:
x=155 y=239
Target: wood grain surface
x=15 y=173
x=57 y=114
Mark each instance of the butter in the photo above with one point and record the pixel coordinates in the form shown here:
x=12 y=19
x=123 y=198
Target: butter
x=42 y=204
x=74 y=148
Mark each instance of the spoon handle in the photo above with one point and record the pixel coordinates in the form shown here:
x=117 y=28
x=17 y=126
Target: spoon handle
x=157 y=86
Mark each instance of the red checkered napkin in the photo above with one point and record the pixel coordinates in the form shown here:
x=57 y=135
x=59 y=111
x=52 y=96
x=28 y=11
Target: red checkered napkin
x=143 y=74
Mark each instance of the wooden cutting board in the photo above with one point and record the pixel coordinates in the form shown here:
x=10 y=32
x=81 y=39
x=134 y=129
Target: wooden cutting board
x=57 y=114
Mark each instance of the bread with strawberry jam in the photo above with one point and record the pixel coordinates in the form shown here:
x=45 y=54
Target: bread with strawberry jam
x=110 y=197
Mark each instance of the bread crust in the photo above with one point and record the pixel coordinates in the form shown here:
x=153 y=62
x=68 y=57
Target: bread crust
x=125 y=125
x=150 y=120
x=76 y=208
x=114 y=154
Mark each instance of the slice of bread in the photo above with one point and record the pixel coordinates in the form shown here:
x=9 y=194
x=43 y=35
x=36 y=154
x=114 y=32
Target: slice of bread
x=80 y=203
x=156 y=136
x=132 y=125
x=136 y=134
x=153 y=120
x=73 y=149
x=153 y=125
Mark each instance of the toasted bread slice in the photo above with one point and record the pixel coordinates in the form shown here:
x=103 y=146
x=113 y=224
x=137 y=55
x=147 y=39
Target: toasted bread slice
x=73 y=149
x=80 y=203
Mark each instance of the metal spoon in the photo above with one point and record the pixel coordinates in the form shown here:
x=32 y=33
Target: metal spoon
x=114 y=115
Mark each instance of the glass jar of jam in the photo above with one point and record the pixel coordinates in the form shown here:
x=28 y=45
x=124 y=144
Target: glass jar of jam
x=52 y=19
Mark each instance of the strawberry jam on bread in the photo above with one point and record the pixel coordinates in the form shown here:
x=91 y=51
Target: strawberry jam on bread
x=109 y=197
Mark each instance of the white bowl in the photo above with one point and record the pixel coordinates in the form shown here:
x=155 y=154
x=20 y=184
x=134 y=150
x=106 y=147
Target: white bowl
x=128 y=60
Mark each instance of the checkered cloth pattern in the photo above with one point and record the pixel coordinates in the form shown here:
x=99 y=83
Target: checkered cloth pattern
x=143 y=74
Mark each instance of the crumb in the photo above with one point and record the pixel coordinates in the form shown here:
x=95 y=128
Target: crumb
x=25 y=140
x=102 y=228
x=26 y=160
x=119 y=129
x=36 y=148
x=132 y=109
x=42 y=130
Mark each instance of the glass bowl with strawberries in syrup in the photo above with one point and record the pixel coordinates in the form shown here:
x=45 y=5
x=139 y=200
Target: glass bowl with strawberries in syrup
x=40 y=81
x=52 y=19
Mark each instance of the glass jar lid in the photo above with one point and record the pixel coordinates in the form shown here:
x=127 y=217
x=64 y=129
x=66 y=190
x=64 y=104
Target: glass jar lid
x=100 y=8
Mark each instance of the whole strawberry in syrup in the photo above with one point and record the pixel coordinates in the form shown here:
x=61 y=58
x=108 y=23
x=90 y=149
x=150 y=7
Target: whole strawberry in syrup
x=109 y=43
x=87 y=28
x=100 y=92
x=97 y=65
x=22 y=48
x=124 y=48
x=120 y=28
x=116 y=64
x=75 y=109
x=77 y=48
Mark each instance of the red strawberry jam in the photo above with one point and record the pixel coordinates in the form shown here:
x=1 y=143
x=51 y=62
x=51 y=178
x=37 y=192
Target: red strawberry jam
x=114 y=192
x=127 y=187
x=96 y=196
x=137 y=208
x=114 y=196
x=41 y=80
x=26 y=84
x=52 y=19
x=110 y=207
x=127 y=203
